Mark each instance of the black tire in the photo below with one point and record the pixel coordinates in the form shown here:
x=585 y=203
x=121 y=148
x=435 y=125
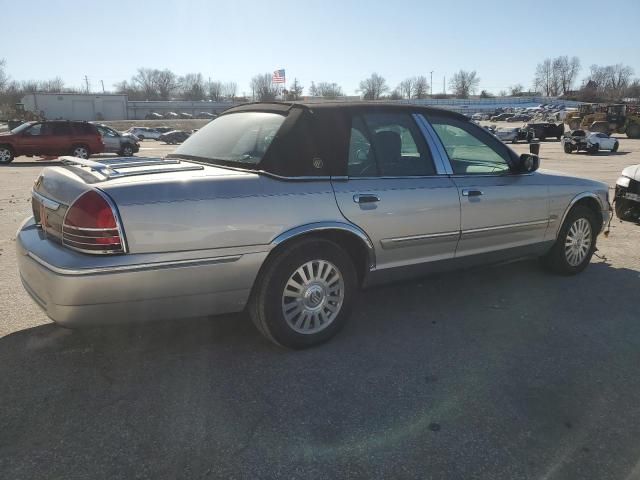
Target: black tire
x=556 y=259
x=126 y=151
x=266 y=303
x=567 y=148
x=80 y=151
x=7 y=155
x=615 y=147
x=623 y=208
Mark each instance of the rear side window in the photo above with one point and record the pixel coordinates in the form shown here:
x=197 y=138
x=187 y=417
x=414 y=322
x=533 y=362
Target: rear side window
x=388 y=144
x=236 y=138
x=84 y=129
x=60 y=129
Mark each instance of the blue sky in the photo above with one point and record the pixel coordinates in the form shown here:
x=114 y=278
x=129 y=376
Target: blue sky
x=335 y=41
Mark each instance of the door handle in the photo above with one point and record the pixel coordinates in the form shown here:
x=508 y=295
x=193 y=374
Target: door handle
x=366 y=198
x=470 y=192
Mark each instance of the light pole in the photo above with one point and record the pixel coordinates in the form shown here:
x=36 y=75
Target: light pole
x=431 y=84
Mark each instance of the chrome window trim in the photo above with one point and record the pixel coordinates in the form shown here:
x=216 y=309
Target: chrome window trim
x=439 y=154
x=134 y=267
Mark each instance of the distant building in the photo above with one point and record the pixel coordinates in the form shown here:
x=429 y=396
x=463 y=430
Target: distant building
x=77 y=106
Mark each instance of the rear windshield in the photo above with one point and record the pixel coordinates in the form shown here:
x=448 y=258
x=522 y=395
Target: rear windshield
x=234 y=139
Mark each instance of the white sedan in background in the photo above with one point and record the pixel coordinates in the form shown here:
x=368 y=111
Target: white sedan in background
x=601 y=141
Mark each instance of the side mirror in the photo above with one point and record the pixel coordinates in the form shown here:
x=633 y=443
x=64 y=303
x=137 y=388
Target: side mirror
x=528 y=162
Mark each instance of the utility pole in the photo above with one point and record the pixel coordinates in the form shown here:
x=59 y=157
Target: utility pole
x=431 y=84
x=444 y=83
x=102 y=82
x=86 y=81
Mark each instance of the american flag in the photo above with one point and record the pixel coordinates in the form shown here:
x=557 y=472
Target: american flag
x=278 y=76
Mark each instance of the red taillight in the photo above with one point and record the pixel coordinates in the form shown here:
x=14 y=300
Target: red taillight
x=90 y=225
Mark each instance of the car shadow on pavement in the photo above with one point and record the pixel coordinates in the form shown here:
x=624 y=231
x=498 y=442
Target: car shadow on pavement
x=496 y=372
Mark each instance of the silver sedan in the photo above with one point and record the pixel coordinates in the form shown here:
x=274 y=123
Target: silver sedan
x=286 y=210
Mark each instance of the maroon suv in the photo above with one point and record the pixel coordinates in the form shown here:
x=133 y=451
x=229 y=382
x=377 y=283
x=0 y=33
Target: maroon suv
x=51 y=139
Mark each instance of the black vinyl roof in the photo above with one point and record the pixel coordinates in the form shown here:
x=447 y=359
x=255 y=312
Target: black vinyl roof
x=314 y=138
x=283 y=107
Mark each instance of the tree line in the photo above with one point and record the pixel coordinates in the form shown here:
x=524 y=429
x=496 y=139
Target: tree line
x=553 y=77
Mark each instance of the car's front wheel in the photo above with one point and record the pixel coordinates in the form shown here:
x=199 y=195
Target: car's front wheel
x=575 y=244
x=6 y=155
x=615 y=147
x=80 y=151
x=303 y=296
x=568 y=148
x=126 y=151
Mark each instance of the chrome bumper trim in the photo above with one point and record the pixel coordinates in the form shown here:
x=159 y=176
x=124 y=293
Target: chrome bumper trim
x=136 y=267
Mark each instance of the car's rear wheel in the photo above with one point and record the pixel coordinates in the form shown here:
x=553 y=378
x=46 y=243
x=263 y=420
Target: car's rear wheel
x=126 y=151
x=303 y=296
x=575 y=244
x=6 y=155
x=80 y=151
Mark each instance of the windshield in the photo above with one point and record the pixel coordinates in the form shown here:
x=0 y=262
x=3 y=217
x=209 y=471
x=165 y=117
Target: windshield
x=22 y=128
x=236 y=138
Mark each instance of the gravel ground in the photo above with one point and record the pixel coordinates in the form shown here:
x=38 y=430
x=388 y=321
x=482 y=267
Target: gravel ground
x=501 y=372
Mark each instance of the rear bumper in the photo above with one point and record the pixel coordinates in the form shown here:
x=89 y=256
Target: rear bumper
x=78 y=290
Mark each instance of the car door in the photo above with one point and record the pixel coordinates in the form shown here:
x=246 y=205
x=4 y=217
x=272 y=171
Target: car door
x=60 y=138
x=110 y=138
x=500 y=210
x=394 y=192
x=605 y=141
x=34 y=140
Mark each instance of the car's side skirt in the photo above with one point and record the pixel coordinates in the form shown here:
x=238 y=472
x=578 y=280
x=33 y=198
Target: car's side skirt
x=389 y=275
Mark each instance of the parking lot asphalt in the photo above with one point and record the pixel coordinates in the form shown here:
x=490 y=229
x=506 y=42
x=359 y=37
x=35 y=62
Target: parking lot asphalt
x=500 y=372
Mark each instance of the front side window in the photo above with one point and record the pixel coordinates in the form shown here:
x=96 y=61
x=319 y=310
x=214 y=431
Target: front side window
x=35 y=130
x=470 y=151
x=236 y=138
x=388 y=144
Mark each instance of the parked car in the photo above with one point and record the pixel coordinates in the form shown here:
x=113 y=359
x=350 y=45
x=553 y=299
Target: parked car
x=287 y=210
x=627 y=197
x=207 y=115
x=50 y=139
x=502 y=117
x=520 y=117
x=513 y=135
x=544 y=130
x=185 y=115
x=590 y=142
x=171 y=115
x=153 y=116
x=163 y=129
x=174 y=136
x=143 y=133
x=124 y=144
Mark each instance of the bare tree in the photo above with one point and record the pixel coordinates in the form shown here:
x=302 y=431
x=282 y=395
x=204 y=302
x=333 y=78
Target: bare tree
x=214 y=90
x=229 y=90
x=264 y=90
x=395 y=95
x=502 y=93
x=166 y=83
x=486 y=94
x=420 y=87
x=515 y=90
x=566 y=71
x=373 y=87
x=329 y=90
x=313 y=90
x=295 y=90
x=406 y=87
x=192 y=86
x=464 y=83
x=4 y=77
x=144 y=80
x=608 y=82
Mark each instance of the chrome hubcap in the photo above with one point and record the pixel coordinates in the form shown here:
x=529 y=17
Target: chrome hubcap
x=80 y=152
x=5 y=155
x=578 y=242
x=313 y=297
